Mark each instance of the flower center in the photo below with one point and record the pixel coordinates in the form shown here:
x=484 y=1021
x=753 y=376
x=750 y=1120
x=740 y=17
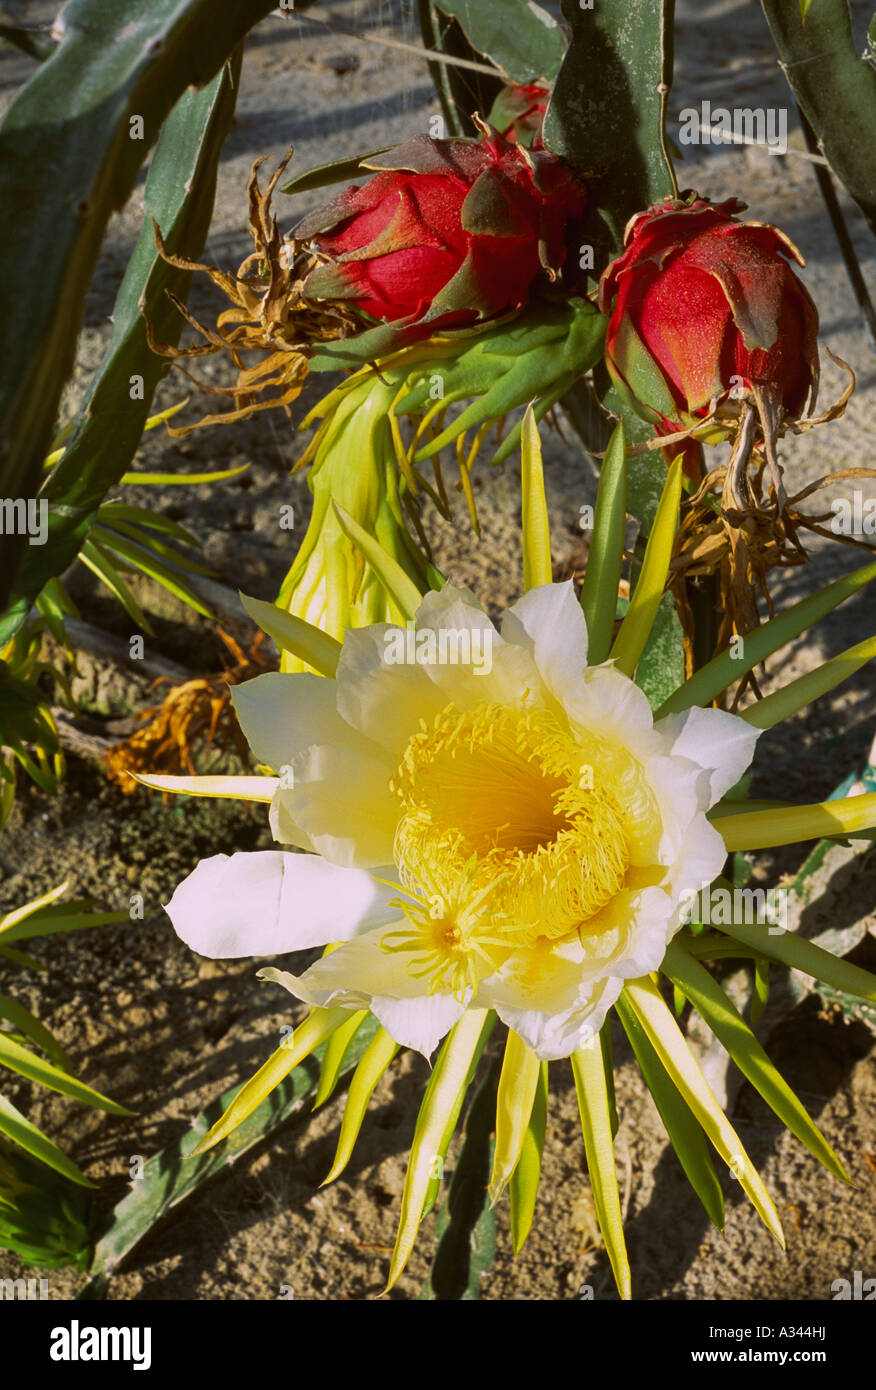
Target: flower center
x=501 y=805
x=443 y=947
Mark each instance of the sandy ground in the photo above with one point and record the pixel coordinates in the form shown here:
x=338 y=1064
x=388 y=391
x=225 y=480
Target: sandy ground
x=165 y=1032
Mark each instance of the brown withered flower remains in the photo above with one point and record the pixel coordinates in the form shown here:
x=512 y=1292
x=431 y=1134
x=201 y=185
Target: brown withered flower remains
x=735 y=526
x=269 y=316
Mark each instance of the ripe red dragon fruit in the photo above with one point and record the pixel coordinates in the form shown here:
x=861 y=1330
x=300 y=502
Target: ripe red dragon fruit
x=446 y=232
x=707 y=314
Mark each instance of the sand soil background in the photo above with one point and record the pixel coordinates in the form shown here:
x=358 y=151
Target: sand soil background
x=165 y=1032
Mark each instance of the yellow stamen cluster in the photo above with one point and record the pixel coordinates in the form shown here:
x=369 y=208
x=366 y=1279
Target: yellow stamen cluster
x=448 y=942
x=507 y=835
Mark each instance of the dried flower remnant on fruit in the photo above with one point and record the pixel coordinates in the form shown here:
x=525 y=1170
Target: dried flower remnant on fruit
x=713 y=336
x=731 y=527
x=269 y=316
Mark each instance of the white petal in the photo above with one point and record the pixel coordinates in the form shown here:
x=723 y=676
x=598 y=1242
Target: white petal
x=608 y=704
x=628 y=938
x=418 y=1023
x=555 y=1012
x=270 y=902
x=384 y=699
x=478 y=665
x=701 y=859
x=549 y=623
x=438 y=601
x=341 y=800
x=678 y=787
x=359 y=975
x=720 y=743
x=655 y=921
x=284 y=827
x=281 y=715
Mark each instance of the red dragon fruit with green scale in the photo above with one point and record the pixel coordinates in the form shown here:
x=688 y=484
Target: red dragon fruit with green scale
x=707 y=312
x=445 y=234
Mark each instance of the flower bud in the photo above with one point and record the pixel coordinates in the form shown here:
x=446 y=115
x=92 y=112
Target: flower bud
x=447 y=232
x=707 y=313
x=354 y=464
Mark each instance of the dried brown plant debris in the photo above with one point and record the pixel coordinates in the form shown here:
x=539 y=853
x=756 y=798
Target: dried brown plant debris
x=269 y=317
x=740 y=524
x=193 y=717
